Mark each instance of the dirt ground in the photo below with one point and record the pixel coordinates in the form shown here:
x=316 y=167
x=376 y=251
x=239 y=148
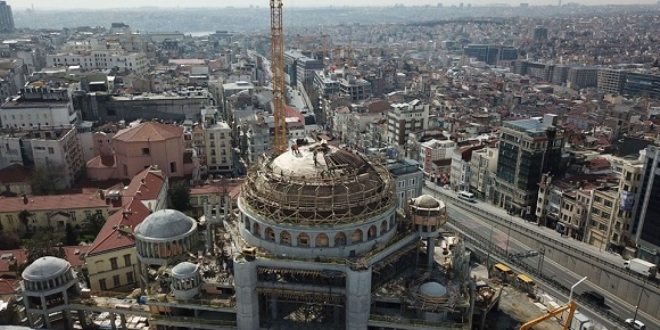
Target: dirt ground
x=521 y=308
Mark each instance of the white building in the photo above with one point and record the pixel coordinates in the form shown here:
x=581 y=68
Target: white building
x=460 y=167
x=38 y=107
x=405 y=118
x=217 y=138
x=101 y=60
x=434 y=150
x=483 y=163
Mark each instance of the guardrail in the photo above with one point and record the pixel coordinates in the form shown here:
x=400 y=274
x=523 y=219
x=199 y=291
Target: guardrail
x=472 y=238
x=601 y=263
x=417 y=322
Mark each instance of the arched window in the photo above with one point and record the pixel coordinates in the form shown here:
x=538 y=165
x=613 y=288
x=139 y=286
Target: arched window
x=372 y=233
x=303 y=239
x=256 y=230
x=269 y=234
x=357 y=236
x=285 y=238
x=322 y=240
x=340 y=239
x=383 y=227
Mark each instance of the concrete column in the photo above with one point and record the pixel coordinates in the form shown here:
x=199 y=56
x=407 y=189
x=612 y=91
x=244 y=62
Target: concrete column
x=430 y=251
x=113 y=319
x=31 y=320
x=47 y=324
x=122 y=317
x=358 y=299
x=69 y=320
x=273 y=308
x=43 y=302
x=82 y=318
x=247 y=300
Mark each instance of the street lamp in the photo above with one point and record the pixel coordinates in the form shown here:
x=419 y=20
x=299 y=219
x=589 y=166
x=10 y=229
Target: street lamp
x=570 y=295
x=639 y=300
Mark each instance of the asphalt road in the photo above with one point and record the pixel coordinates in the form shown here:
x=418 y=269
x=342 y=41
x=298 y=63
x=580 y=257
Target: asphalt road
x=550 y=268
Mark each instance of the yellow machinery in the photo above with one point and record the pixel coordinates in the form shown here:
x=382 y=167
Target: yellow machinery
x=277 y=67
x=525 y=284
x=571 y=306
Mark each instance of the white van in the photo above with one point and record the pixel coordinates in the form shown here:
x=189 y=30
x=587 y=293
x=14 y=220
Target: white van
x=465 y=195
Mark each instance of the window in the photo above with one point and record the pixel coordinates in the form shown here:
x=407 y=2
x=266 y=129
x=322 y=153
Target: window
x=145 y=151
x=113 y=263
x=102 y=284
x=127 y=260
x=173 y=167
x=51 y=150
x=129 y=277
x=608 y=203
x=115 y=280
x=411 y=182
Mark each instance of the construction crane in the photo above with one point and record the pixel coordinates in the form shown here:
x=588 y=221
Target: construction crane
x=277 y=68
x=571 y=307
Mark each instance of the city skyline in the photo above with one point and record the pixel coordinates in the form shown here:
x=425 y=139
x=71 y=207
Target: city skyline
x=83 y=4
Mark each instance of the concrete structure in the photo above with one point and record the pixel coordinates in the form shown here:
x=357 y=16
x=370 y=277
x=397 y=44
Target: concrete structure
x=482 y=164
x=523 y=153
x=48 y=283
x=6 y=18
x=135 y=148
x=39 y=107
x=409 y=180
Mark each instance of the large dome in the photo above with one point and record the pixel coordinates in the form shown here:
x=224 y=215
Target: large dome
x=318 y=185
x=427 y=202
x=165 y=224
x=433 y=289
x=45 y=268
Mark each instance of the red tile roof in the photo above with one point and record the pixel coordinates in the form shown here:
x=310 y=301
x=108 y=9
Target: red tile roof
x=217 y=187
x=15 y=173
x=117 y=230
x=146 y=185
x=20 y=255
x=75 y=255
x=102 y=161
x=149 y=131
x=83 y=200
x=8 y=287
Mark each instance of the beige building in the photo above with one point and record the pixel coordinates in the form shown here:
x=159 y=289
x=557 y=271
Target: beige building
x=601 y=215
x=216 y=150
x=111 y=261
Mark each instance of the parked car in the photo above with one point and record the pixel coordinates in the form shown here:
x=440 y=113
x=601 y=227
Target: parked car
x=635 y=324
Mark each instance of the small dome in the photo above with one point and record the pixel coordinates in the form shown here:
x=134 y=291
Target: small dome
x=165 y=224
x=45 y=268
x=427 y=202
x=184 y=270
x=433 y=289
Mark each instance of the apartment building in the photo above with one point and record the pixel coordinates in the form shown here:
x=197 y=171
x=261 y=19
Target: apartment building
x=601 y=219
x=582 y=77
x=482 y=165
x=646 y=227
x=217 y=142
x=526 y=147
x=111 y=260
x=6 y=18
x=435 y=150
x=326 y=82
x=39 y=106
x=101 y=60
x=610 y=80
x=409 y=180
x=354 y=88
x=405 y=118
x=460 y=167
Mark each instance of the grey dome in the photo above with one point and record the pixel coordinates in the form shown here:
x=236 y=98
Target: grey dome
x=45 y=268
x=433 y=289
x=165 y=224
x=427 y=202
x=184 y=270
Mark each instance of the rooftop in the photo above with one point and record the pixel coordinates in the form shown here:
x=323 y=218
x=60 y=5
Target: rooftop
x=149 y=132
x=84 y=200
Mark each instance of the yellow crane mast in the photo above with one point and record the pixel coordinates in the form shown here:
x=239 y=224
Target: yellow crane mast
x=277 y=68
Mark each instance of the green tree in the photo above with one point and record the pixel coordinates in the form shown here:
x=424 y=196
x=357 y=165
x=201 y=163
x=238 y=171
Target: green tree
x=93 y=223
x=179 y=196
x=47 y=178
x=24 y=218
x=9 y=241
x=71 y=237
x=44 y=244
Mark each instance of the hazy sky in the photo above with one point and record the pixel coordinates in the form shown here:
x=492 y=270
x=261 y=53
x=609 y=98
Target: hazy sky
x=71 y=4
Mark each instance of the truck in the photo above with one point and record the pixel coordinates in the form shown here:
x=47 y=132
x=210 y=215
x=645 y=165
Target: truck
x=581 y=322
x=642 y=267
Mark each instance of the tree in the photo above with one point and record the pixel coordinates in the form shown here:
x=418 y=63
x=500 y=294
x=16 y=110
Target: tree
x=93 y=223
x=179 y=196
x=24 y=218
x=9 y=241
x=44 y=244
x=47 y=178
x=70 y=235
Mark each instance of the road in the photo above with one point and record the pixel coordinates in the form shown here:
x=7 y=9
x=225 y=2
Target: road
x=549 y=268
